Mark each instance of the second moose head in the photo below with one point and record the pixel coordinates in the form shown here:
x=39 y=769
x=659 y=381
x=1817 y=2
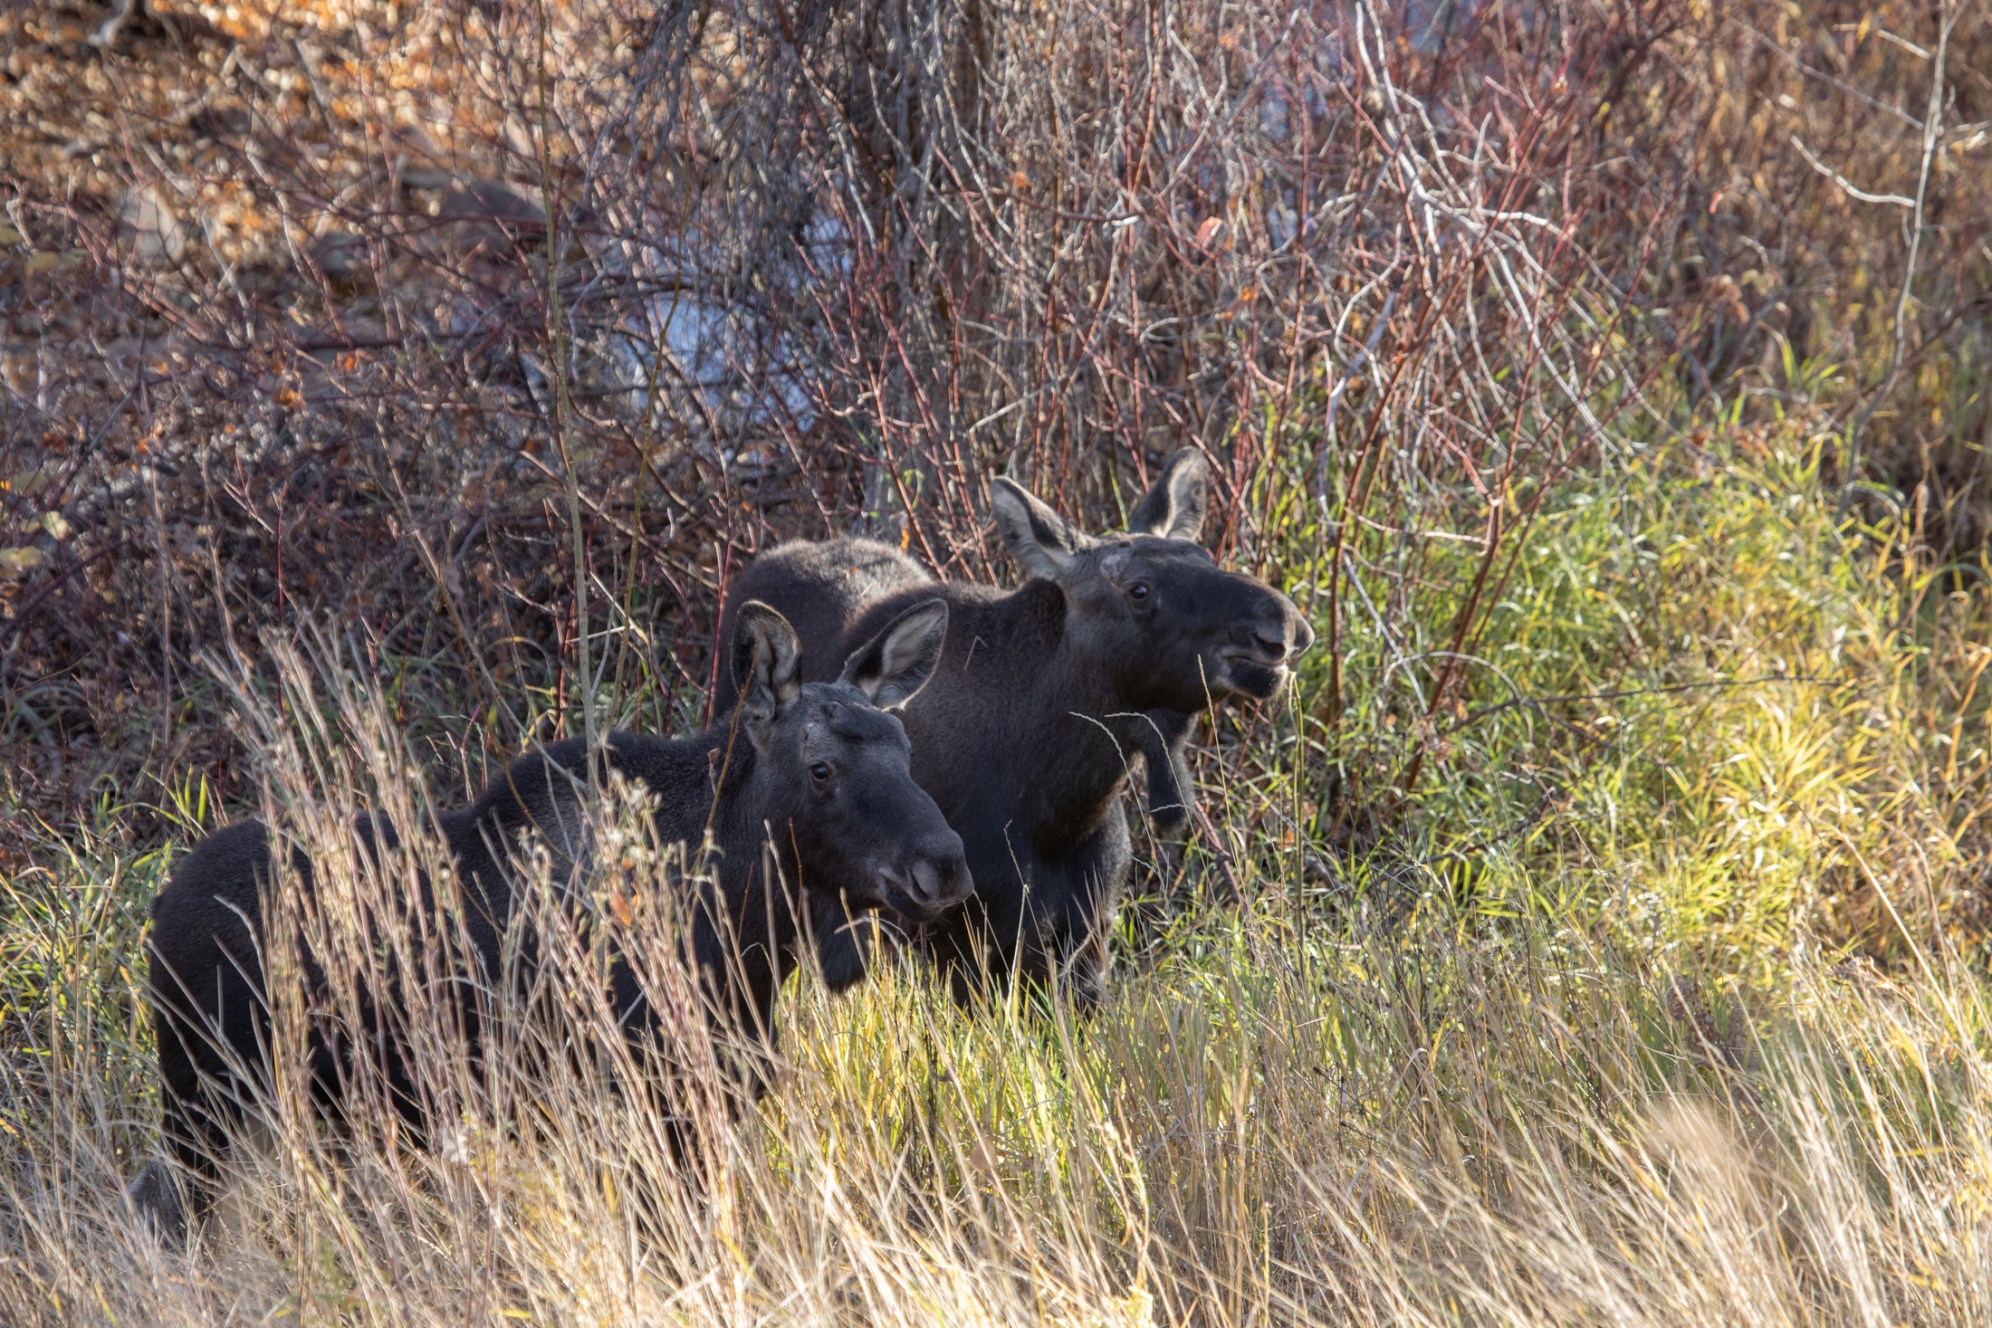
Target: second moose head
x=855 y=831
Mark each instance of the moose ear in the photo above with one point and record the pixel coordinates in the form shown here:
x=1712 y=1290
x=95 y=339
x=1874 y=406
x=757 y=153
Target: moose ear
x=1174 y=507
x=1037 y=537
x=767 y=663
x=896 y=663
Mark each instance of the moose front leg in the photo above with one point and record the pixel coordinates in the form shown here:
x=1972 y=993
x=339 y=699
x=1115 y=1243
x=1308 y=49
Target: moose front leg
x=1170 y=805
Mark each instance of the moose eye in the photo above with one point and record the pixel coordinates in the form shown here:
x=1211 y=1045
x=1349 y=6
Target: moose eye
x=820 y=772
x=1138 y=591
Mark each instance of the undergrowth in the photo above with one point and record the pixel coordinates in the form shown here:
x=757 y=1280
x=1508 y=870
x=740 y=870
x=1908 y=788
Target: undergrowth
x=1554 y=1002
x=1593 y=933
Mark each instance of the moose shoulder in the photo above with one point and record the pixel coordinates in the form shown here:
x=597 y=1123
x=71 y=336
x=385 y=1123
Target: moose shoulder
x=1047 y=697
x=805 y=789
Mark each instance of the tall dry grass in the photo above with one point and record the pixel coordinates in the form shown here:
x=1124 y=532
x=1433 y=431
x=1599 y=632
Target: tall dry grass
x=1377 y=1124
x=1532 y=1091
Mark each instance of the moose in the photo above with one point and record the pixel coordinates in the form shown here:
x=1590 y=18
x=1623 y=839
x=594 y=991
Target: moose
x=1047 y=699
x=804 y=788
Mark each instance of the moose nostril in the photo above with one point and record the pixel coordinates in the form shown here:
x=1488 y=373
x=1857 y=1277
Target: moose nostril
x=939 y=883
x=1303 y=635
x=1272 y=641
x=952 y=882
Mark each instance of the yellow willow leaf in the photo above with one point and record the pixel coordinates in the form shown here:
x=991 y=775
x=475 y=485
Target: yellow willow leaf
x=13 y=562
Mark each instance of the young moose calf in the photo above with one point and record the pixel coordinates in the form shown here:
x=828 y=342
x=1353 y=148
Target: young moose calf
x=813 y=811
x=1045 y=698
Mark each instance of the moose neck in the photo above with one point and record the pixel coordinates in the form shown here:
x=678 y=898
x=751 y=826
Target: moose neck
x=757 y=881
x=1089 y=731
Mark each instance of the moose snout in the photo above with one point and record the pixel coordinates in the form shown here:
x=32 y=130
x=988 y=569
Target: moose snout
x=1270 y=641
x=1279 y=636
x=937 y=880
x=1299 y=633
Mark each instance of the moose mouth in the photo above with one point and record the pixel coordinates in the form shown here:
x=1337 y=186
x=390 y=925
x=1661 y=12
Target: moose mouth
x=907 y=912
x=917 y=896
x=1254 y=674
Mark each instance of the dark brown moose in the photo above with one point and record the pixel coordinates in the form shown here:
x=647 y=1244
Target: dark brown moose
x=810 y=805
x=1047 y=697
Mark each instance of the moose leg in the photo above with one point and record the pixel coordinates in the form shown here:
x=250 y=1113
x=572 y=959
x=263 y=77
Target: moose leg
x=174 y=1193
x=1163 y=738
x=976 y=944
x=201 y=1049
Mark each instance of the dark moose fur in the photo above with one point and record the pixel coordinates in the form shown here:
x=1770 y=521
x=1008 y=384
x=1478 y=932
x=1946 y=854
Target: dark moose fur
x=1047 y=697
x=815 y=777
